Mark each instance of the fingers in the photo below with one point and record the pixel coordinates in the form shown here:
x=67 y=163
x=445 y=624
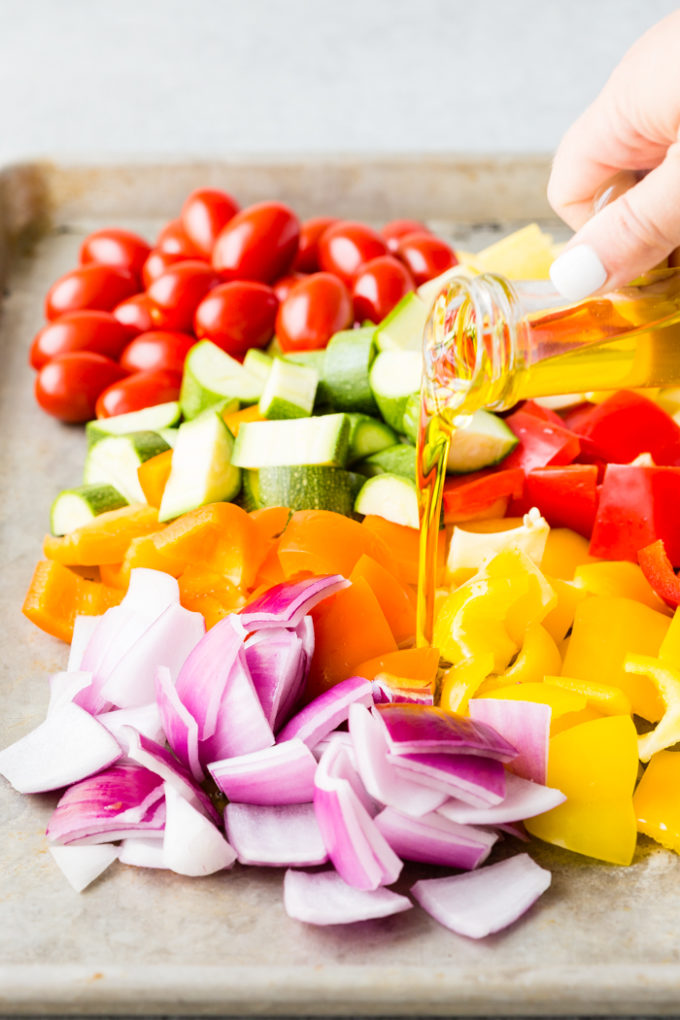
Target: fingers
x=626 y=238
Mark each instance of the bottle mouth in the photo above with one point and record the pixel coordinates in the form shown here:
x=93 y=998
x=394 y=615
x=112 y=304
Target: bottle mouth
x=470 y=346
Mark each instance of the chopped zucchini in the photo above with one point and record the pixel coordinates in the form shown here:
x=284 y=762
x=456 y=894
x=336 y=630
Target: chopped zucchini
x=402 y=329
x=483 y=441
x=347 y=365
x=289 y=391
x=74 y=507
x=302 y=487
x=367 y=435
x=399 y=459
x=211 y=376
x=114 y=461
x=390 y=496
x=395 y=376
x=258 y=362
x=201 y=470
x=159 y=416
x=322 y=440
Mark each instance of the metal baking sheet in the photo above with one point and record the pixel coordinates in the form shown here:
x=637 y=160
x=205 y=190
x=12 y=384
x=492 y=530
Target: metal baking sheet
x=602 y=940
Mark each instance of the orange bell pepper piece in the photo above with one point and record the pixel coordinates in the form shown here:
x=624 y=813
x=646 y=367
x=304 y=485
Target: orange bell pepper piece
x=323 y=542
x=57 y=595
x=397 y=602
x=220 y=537
x=349 y=627
x=404 y=546
x=103 y=539
x=210 y=594
x=153 y=475
x=414 y=667
x=234 y=419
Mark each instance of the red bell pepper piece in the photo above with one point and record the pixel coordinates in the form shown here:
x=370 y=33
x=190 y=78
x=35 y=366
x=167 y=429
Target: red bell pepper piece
x=541 y=442
x=538 y=411
x=627 y=424
x=637 y=506
x=658 y=570
x=566 y=496
x=471 y=495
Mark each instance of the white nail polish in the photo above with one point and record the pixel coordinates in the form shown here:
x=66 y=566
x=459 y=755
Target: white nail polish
x=578 y=272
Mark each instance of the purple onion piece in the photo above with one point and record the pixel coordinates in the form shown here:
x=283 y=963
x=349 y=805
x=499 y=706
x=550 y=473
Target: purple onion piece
x=145 y=719
x=478 y=781
x=325 y=713
x=142 y=852
x=282 y=774
x=81 y=865
x=523 y=799
x=179 y=726
x=203 y=678
x=163 y=764
x=424 y=728
x=525 y=724
x=285 y=604
x=277 y=666
x=275 y=836
x=485 y=901
x=434 y=840
x=323 y=898
x=192 y=845
x=384 y=693
x=240 y=725
x=66 y=686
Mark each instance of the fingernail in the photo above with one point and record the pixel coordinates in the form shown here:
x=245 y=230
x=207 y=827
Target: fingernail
x=578 y=272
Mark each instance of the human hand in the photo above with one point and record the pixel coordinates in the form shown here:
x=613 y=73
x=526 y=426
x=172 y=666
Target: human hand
x=632 y=130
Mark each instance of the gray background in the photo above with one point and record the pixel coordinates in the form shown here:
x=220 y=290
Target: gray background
x=95 y=79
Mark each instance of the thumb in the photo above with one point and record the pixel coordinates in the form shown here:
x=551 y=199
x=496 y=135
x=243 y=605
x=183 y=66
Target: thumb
x=628 y=237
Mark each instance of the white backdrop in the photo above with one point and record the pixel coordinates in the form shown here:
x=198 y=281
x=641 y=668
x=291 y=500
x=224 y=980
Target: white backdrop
x=94 y=79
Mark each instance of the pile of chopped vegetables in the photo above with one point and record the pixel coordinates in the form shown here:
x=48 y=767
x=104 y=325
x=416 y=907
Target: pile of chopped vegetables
x=236 y=575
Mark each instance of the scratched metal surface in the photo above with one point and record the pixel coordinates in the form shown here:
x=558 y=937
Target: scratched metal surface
x=602 y=940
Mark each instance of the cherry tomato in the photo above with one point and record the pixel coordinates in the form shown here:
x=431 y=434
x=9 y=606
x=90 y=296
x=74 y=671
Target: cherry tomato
x=157 y=263
x=68 y=386
x=173 y=240
x=313 y=311
x=134 y=314
x=237 y=316
x=143 y=389
x=426 y=256
x=379 y=286
x=395 y=230
x=307 y=258
x=259 y=243
x=113 y=247
x=345 y=246
x=203 y=216
x=93 y=287
x=285 y=284
x=176 y=294
x=157 y=349
x=99 y=332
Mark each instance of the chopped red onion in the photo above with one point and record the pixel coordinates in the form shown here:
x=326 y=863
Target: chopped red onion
x=420 y=729
x=385 y=693
x=360 y=853
x=285 y=604
x=143 y=853
x=275 y=836
x=339 y=761
x=241 y=724
x=83 y=629
x=278 y=667
x=65 y=686
x=161 y=762
x=192 y=845
x=282 y=774
x=323 y=898
x=82 y=864
x=145 y=719
x=526 y=725
x=523 y=799
x=203 y=678
x=433 y=839
x=484 y=901
x=469 y=777
x=123 y=800
x=325 y=713
x=69 y=745
x=179 y=725
x=379 y=776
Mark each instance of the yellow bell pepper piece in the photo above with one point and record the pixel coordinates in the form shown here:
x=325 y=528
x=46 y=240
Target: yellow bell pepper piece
x=605 y=699
x=564 y=552
x=605 y=630
x=656 y=800
x=560 y=701
x=666 y=679
x=559 y=620
x=537 y=657
x=461 y=682
x=670 y=646
x=618 y=578
x=595 y=765
x=569 y=719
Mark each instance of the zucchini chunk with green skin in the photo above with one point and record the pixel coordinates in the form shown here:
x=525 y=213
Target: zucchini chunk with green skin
x=289 y=391
x=402 y=329
x=317 y=361
x=411 y=419
x=302 y=487
x=390 y=496
x=368 y=435
x=347 y=366
x=323 y=440
x=258 y=362
x=484 y=441
x=395 y=376
x=74 y=507
x=399 y=459
x=201 y=471
x=211 y=376
x=155 y=418
x=114 y=461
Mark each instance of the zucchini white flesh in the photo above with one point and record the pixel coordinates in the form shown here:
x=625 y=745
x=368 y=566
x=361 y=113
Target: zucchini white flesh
x=402 y=329
x=170 y=435
x=317 y=361
x=390 y=496
x=303 y=487
x=211 y=376
x=322 y=440
x=289 y=391
x=347 y=365
x=483 y=441
x=368 y=435
x=159 y=416
x=74 y=507
x=410 y=423
x=399 y=459
x=114 y=461
x=201 y=470
x=395 y=375
x=258 y=362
